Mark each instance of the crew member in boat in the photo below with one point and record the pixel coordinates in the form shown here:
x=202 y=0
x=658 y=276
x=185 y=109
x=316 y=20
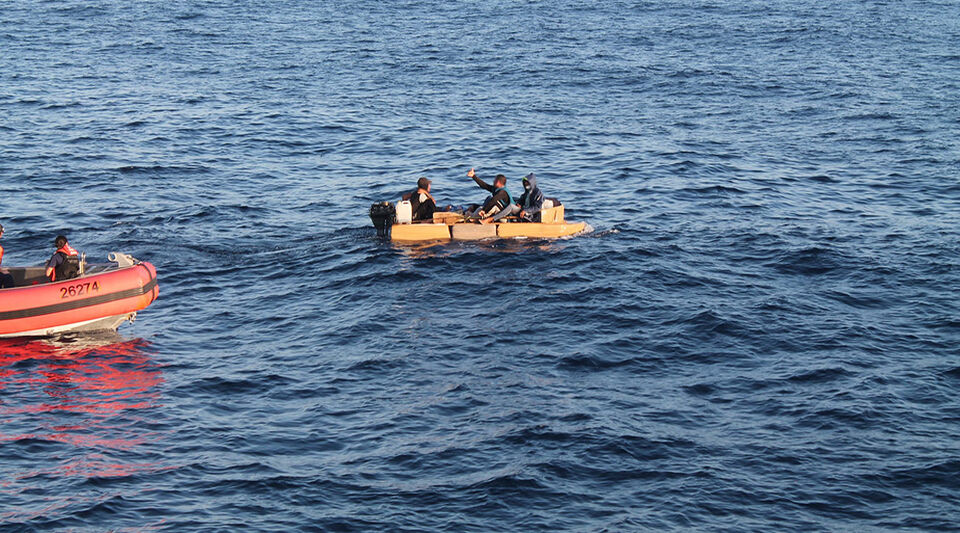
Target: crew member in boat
x=65 y=263
x=499 y=204
x=531 y=201
x=421 y=203
x=6 y=280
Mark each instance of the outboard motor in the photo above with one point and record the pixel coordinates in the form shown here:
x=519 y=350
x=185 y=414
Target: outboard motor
x=383 y=215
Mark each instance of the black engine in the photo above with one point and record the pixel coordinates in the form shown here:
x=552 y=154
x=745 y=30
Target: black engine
x=383 y=215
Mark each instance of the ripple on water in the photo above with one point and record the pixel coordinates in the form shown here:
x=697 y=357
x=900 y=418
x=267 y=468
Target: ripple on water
x=757 y=330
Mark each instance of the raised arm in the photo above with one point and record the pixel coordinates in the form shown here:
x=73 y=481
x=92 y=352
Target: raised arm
x=483 y=185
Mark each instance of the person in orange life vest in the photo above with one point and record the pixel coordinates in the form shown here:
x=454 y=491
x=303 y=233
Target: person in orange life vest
x=6 y=280
x=65 y=263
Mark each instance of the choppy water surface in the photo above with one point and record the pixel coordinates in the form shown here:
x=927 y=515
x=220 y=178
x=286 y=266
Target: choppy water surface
x=761 y=332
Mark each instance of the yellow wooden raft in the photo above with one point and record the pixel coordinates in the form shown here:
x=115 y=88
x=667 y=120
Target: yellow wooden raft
x=446 y=226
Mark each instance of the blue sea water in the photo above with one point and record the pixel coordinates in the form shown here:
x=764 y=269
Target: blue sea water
x=760 y=333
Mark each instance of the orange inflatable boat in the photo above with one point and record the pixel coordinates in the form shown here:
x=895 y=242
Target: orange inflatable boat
x=101 y=298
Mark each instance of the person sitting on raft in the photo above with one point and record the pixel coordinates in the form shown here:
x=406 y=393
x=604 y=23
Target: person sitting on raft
x=499 y=204
x=65 y=263
x=421 y=203
x=531 y=201
x=6 y=280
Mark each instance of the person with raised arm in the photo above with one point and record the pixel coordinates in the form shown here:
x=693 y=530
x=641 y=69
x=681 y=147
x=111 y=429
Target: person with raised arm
x=499 y=204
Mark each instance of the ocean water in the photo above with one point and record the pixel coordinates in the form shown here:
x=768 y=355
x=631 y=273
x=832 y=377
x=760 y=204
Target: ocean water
x=760 y=333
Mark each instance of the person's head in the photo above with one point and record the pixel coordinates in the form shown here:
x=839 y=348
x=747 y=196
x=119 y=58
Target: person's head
x=60 y=241
x=423 y=183
x=1 y=230
x=500 y=181
x=529 y=181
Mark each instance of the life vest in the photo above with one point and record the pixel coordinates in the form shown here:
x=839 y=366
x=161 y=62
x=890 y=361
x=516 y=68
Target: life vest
x=70 y=266
x=417 y=199
x=1 y=254
x=421 y=196
x=509 y=198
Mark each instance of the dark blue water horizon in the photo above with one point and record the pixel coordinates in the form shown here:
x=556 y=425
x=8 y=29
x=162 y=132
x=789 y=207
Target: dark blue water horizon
x=759 y=333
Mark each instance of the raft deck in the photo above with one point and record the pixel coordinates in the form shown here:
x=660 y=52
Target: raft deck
x=450 y=226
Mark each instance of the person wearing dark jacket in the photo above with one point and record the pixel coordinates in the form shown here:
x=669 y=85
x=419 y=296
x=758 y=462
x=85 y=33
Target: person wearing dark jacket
x=499 y=203
x=6 y=280
x=65 y=263
x=421 y=203
x=531 y=201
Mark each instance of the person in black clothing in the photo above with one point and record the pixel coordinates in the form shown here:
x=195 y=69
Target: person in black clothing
x=498 y=204
x=421 y=203
x=531 y=201
x=6 y=280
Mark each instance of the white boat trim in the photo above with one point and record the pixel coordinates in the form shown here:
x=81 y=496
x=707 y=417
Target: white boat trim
x=97 y=324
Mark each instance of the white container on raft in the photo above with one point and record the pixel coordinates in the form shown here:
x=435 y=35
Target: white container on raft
x=404 y=212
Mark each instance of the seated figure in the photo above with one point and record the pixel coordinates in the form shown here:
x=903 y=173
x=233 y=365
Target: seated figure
x=531 y=201
x=65 y=262
x=499 y=204
x=422 y=204
x=6 y=280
